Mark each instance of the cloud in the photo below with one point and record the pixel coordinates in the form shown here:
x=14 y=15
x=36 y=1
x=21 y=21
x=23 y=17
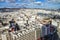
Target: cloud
x=26 y=1
x=30 y=4
x=11 y=1
x=1 y=0
x=54 y=1
x=38 y=3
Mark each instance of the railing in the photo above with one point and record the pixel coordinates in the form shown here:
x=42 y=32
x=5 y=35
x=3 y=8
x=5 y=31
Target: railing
x=30 y=35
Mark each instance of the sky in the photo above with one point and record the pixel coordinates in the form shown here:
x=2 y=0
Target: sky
x=47 y=4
